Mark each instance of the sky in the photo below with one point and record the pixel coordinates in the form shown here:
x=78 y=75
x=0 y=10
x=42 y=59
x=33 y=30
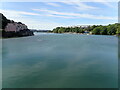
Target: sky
x=49 y=15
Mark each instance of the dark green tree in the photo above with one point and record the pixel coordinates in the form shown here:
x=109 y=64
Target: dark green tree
x=103 y=30
x=96 y=31
x=111 y=30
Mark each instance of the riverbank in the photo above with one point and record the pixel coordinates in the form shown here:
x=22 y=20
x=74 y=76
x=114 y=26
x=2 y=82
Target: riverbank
x=111 y=29
x=75 y=33
x=21 y=33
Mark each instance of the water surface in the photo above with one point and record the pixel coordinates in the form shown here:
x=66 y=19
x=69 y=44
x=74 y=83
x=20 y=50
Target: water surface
x=60 y=61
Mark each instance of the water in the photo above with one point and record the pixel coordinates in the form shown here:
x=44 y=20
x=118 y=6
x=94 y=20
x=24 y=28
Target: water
x=60 y=61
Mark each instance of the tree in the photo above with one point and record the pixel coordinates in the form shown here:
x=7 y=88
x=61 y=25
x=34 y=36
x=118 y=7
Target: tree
x=88 y=28
x=111 y=30
x=96 y=31
x=56 y=30
x=61 y=30
x=3 y=21
x=118 y=30
x=103 y=30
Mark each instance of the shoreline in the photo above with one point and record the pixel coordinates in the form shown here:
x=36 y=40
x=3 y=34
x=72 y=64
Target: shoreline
x=14 y=37
x=58 y=33
x=79 y=33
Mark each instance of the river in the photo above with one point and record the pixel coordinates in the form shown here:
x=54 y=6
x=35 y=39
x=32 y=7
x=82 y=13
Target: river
x=60 y=61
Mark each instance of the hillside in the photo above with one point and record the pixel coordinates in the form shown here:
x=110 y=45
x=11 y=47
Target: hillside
x=10 y=28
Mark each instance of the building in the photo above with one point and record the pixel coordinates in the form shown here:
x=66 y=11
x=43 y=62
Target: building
x=15 y=27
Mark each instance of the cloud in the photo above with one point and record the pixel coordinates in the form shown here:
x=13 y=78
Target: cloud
x=53 y=4
x=108 y=4
x=58 y=0
x=80 y=5
x=32 y=23
x=17 y=13
x=104 y=0
x=77 y=4
x=74 y=15
x=38 y=24
x=28 y=13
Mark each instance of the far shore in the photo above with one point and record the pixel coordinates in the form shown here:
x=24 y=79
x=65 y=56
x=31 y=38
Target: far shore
x=76 y=33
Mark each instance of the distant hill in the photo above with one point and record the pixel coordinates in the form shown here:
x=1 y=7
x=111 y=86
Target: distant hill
x=40 y=30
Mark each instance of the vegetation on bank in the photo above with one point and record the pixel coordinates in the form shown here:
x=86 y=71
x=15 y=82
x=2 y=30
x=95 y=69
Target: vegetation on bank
x=111 y=29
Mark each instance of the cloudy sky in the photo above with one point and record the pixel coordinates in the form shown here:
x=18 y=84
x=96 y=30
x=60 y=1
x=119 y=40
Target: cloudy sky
x=48 y=15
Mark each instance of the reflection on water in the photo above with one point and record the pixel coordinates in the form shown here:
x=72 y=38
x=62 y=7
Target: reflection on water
x=60 y=61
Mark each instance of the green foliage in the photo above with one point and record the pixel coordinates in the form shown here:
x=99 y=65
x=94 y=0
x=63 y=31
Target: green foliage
x=56 y=30
x=111 y=29
x=118 y=29
x=3 y=21
x=96 y=31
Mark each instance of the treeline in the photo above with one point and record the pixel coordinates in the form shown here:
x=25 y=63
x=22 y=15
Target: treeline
x=111 y=29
